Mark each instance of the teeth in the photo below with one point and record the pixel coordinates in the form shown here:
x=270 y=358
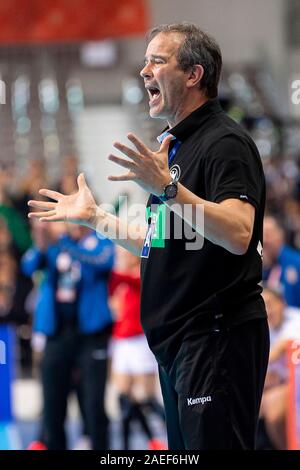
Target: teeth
x=153 y=90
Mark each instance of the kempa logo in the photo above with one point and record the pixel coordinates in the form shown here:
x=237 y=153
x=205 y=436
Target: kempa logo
x=196 y=401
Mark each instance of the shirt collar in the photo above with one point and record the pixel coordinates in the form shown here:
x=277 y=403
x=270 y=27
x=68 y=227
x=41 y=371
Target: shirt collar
x=163 y=135
x=193 y=121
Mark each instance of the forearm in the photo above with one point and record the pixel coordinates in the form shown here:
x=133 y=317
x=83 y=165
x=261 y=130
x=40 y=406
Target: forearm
x=216 y=222
x=129 y=236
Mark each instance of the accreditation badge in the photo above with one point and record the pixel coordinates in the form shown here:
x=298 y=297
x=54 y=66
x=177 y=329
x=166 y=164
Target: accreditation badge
x=155 y=236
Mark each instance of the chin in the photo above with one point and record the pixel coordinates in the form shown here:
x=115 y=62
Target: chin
x=152 y=114
x=156 y=114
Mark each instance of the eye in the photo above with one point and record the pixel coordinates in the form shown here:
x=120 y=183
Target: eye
x=158 y=61
x=154 y=60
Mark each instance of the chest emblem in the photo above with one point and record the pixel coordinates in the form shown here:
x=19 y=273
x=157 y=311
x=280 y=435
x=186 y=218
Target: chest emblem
x=175 y=172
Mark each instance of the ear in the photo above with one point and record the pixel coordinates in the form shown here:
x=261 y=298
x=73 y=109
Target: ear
x=195 y=74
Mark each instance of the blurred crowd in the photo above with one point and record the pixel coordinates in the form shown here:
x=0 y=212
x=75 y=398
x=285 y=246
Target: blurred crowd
x=73 y=300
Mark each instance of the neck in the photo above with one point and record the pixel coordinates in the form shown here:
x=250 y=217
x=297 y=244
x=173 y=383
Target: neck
x=187 y=108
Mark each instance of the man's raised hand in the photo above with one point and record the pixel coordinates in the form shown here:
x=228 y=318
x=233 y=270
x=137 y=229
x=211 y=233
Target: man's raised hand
x=148 y=169
x=79 y=208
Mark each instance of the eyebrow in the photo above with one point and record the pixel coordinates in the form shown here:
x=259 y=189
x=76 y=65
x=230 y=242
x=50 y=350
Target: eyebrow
x=156 y=56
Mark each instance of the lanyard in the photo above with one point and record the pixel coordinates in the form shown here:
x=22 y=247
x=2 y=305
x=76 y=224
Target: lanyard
x=155 y=200
x=173 y=152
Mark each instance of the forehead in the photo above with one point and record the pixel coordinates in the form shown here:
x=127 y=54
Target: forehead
x=165 y=44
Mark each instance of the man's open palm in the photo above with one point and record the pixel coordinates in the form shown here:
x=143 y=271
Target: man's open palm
x=79 y=208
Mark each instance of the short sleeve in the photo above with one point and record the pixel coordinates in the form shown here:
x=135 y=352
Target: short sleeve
x=233 y=170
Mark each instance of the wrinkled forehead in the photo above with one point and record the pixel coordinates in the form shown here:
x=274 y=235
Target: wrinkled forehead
x=165 y=44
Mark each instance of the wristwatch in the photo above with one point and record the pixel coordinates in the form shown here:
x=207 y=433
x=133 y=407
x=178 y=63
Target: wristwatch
x=170 y=191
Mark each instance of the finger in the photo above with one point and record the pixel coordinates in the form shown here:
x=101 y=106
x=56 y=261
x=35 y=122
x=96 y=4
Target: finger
x=53 y=218
x=127 y=177
x=127 y=151
x=37 y=215
x=42 y=204
x=165 y=143
x=138 y=144
x=122 y=162
x=51 y=194
x=81 y=181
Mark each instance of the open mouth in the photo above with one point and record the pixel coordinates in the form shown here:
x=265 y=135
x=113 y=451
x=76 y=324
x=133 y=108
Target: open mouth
x=153 y=93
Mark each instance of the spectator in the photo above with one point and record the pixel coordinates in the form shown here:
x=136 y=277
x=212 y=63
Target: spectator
x=73 y=313
x=281 y=262
x=284 y=323
x=134 y=369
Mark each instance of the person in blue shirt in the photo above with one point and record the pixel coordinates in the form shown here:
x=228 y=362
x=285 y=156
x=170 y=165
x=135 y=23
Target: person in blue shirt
x=281 y=262
x=72 y=311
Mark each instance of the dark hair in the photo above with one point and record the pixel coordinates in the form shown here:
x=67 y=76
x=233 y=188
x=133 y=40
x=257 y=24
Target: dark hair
x=197 y=48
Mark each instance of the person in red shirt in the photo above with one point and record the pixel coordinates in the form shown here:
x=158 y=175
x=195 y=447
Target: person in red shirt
x=134 y=368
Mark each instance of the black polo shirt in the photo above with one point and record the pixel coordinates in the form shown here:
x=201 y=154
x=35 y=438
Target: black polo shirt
x=184 y=290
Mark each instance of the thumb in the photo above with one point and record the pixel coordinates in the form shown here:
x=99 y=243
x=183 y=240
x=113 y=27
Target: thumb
x=165 y=143
x=81 y=181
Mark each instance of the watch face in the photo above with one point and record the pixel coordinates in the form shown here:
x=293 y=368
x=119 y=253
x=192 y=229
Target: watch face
x=171 y=191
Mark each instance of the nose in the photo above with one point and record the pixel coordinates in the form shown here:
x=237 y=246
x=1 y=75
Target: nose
x=146 y=71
